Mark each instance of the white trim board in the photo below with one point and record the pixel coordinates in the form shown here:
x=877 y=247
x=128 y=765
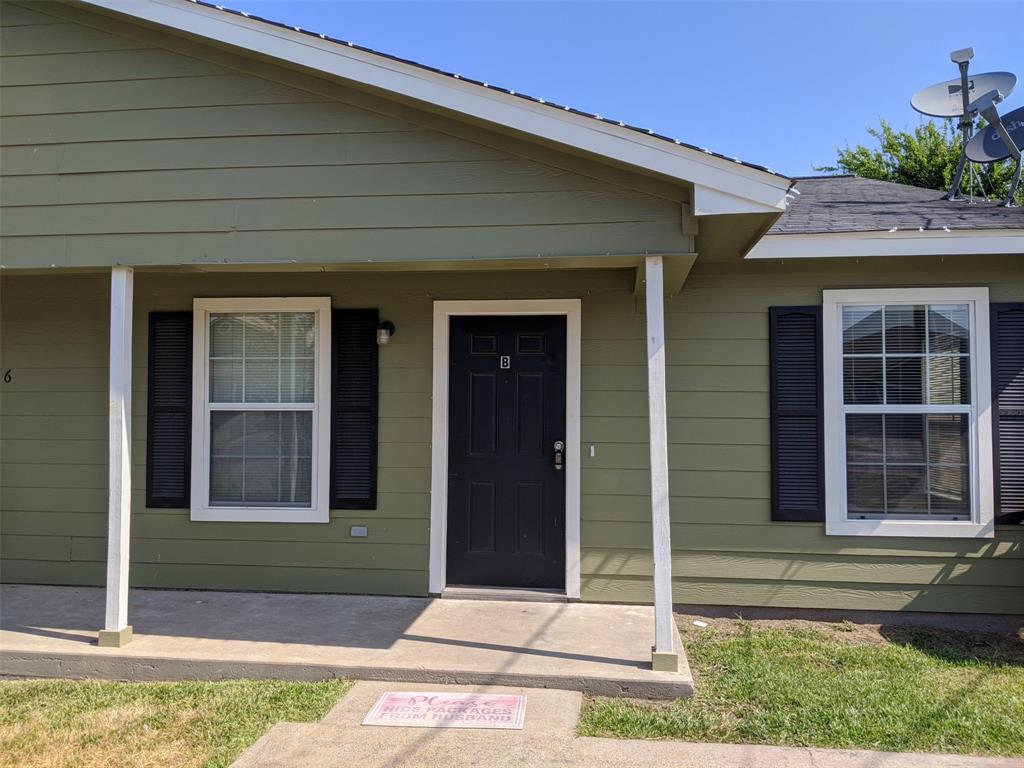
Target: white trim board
x=911 y=242
x=319 y=509
x=837 y=523
x=443 y=310
x=747 y=189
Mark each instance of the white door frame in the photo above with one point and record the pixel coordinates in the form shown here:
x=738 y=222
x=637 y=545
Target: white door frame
x=443 y=310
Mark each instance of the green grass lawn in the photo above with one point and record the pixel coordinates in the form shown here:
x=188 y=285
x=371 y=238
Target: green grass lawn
x=65 y=723
x=837 y=685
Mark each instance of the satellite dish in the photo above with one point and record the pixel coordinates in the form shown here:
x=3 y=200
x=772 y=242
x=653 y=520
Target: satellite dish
x=988 y=146
x=946 y=99
x=966 y=98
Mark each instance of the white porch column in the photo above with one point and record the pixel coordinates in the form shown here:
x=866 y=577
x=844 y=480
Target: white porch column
x=665 y=656
x=116 y=630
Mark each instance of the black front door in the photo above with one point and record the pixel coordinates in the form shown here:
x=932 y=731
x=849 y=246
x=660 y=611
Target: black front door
x=506 y=456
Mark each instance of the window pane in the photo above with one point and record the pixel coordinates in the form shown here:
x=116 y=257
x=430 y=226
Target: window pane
x=904 y=380
x=226 y=381
x=261 y=458
x=226 y=336
x=905 y=490
x=904 y=329
x=262 y=357
x=296 y=380
x=262 y=384
x=949 y=490
x=904 y=438
x=864 y=438
x=949 y=380
x=262 y=335
x=298 y=334
x=226 y=480
x=948 y=326
x=862 y=380
x=947 y=438
x=865 y=491
x=862 y=330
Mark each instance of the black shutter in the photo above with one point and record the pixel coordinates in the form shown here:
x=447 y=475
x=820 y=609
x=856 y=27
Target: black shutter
x=797 y=418
x=169 y=410
x=354 y=408
x=1007 y=333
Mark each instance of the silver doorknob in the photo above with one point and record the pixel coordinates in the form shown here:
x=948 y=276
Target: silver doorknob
x=559 y=453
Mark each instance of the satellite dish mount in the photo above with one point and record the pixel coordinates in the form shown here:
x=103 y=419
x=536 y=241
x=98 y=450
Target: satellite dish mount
x=962 y=58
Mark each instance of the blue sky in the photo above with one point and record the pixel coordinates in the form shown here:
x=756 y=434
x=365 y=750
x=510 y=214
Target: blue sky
x=780 y=84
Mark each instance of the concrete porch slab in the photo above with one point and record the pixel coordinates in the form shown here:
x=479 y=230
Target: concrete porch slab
x=598 y=649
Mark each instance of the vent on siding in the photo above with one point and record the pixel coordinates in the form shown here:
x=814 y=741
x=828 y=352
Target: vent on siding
x=1008 y=411
x=798 y=477
x=354 y=409
x=169 y=412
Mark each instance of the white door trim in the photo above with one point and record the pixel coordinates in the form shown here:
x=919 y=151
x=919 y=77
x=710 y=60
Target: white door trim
x=443 y=310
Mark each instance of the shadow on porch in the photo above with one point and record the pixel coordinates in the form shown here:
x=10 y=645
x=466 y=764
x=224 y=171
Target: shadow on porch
x=600 y=649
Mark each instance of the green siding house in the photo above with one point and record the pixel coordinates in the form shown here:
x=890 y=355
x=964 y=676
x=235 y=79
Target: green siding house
x=284 y=314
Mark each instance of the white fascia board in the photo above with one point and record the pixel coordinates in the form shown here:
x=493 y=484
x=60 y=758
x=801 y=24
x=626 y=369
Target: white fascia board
x=900 y=243
x=759 y=188
x=708 y=201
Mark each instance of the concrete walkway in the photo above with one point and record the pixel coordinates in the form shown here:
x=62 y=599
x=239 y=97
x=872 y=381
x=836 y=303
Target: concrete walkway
x=599 y=649
x=547 y=739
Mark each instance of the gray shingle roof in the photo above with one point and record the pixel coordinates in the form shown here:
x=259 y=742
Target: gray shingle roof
x=853 y=204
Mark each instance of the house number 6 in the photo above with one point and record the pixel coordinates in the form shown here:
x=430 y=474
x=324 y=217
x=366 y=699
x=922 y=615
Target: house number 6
x=7 y=376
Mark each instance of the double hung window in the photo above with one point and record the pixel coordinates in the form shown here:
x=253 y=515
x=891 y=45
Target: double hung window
x=260 y=400
x=907 y=440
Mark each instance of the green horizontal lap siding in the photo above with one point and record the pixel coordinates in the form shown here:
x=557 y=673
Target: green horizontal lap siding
x=725 y=549
x=53 y=430
x=53 y=455
x=122 y=145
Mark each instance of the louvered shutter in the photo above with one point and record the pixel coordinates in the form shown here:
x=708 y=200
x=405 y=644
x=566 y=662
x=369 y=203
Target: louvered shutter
x=169 y=410
x=354 y=408
x=797 y=419
x=1007 y=332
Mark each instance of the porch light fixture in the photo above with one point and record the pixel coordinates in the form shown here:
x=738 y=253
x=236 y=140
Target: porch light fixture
x=385 y=330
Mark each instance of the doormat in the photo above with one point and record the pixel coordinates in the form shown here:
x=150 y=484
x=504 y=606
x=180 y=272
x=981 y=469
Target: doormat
x=448 y=710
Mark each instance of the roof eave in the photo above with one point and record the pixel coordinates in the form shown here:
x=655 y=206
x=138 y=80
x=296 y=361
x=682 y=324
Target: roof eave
x=884 y=243
x=747 y=189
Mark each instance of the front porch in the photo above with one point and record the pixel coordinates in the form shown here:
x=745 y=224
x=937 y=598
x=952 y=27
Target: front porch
x=106 y=459
x=185 y=635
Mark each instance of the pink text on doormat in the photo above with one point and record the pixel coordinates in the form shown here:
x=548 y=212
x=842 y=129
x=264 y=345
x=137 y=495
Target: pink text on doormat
x=448 y=710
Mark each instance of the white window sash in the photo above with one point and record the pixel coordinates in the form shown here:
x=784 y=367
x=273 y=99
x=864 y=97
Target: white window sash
x=904 y=408
x=262 y=406
x=837 y=522
x=318 y=511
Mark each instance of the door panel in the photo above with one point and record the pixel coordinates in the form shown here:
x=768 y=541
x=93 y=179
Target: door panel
x=506 y=498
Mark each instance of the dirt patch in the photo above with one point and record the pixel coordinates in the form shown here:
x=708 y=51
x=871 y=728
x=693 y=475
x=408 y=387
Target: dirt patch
x=1003 y=645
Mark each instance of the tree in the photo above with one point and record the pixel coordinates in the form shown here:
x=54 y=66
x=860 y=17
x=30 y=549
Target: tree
x=925 y=157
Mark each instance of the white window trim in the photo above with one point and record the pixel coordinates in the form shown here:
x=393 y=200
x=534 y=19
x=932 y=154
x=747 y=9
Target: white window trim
x=319 y=509
x=981 y=524
x=443 y=312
